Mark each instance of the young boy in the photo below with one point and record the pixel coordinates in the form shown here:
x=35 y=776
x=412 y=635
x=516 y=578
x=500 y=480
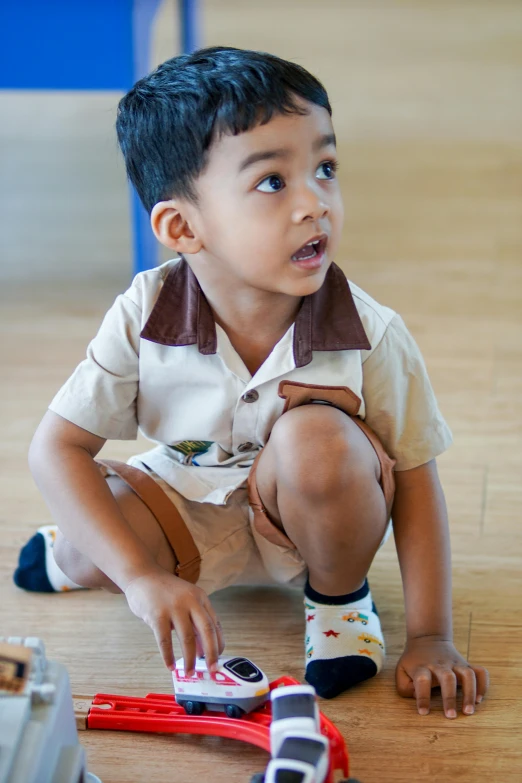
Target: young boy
x=291 y=410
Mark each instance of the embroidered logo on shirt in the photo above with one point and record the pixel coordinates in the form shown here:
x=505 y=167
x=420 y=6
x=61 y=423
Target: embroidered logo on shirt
x=192 y=449
x=188 y=447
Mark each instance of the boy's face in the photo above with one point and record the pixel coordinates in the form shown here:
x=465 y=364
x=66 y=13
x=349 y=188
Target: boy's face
x=263 y=196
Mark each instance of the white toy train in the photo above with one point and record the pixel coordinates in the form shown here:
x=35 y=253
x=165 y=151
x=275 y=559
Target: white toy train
x=296 y=743
x=237 y=687
x=300 y=753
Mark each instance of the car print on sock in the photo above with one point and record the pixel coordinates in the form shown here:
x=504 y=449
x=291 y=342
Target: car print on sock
x=369 y=639
x=350 y=617
x=355 y=617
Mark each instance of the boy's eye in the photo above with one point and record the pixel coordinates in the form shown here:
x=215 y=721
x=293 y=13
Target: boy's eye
x=271 y=184
x=328 y=169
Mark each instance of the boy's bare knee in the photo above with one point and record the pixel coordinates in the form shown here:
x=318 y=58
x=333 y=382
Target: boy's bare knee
x=318 y=447
x=320 y=424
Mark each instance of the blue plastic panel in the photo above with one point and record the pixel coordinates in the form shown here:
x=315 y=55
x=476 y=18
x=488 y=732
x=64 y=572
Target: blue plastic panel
x=66 y=44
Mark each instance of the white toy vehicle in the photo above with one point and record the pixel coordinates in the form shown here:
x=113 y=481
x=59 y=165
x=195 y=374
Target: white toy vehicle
x=294 y=711
x=302 y=758
x=237 y=687
x=300 y=753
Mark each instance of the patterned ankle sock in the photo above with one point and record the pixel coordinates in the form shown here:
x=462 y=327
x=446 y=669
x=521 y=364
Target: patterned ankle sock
x=37 y=569
x=344 y=642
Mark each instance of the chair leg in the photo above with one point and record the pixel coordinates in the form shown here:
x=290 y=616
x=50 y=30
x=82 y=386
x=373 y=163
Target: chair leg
x=145 y=244
x=189 y=27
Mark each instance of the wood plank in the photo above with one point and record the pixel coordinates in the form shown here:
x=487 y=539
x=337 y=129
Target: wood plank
x=428 y=116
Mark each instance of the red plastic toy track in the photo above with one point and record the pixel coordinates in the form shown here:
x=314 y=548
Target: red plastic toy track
x=159 y=713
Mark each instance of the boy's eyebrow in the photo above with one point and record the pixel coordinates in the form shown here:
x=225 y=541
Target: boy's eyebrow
x=323 y=141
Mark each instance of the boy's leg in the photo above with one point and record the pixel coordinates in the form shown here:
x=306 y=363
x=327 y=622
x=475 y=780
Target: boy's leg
x=318 y=477
x=48 y=562
x=139 y=518
x=319 y=480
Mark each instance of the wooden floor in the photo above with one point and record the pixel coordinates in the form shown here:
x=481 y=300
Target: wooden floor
x=428 y=110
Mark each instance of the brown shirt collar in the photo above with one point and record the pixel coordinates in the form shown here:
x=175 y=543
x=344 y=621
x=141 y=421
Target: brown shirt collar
x=327 y=320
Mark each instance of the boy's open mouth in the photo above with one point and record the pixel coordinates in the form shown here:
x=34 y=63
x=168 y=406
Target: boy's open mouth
x=314 y=247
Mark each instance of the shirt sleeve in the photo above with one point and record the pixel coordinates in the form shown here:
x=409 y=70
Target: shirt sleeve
x=400 y=402
x=101 y=394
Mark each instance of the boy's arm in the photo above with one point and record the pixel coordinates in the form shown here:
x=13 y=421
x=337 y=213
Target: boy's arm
x=420 y=526
x=61 y=459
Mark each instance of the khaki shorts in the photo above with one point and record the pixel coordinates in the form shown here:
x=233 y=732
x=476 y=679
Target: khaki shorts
x=232 y=544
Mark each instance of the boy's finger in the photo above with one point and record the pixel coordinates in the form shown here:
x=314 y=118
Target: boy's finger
x=217 y=625
x=482 y=676
x=187 y=640
x=422 y=684
x=466 y=677
x=163 y=635
x=200 y=653
x=207 y=634
x=221 y=637
x=404 y=683
x=448 y=688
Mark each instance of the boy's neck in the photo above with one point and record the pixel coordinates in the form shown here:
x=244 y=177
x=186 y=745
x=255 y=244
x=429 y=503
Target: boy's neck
x=254 y=334
x=253 y=320
x=250 y=312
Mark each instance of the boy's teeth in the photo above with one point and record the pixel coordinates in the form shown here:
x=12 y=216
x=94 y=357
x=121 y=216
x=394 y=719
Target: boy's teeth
x=306 y=252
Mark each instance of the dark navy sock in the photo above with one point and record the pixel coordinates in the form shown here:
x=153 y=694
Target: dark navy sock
x=31 y=573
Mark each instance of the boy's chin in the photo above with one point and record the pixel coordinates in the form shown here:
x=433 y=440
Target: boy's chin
x=307 y=282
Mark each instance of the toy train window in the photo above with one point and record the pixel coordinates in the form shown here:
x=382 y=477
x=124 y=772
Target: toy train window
x=302 y=749
x=288 y=776
x=244 y=669
x=297 y=705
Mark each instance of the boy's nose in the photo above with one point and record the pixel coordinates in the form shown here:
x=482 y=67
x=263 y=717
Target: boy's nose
x=309 y=205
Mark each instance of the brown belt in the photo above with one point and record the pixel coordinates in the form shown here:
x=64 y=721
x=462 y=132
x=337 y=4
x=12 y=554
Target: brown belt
x=166 y=514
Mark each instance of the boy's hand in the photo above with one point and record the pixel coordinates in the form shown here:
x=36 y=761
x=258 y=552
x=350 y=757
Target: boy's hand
x=166 y=602
x=428 y=662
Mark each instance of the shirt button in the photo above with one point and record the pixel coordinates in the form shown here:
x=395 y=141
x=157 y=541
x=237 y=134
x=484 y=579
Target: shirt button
x=245 y=446
x=250 y=396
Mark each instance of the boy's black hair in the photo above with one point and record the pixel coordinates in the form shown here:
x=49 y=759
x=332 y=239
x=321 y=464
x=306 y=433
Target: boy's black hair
x=167 y=122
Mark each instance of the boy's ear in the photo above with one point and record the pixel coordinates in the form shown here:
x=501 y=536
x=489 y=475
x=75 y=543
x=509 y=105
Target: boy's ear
x=172 y=229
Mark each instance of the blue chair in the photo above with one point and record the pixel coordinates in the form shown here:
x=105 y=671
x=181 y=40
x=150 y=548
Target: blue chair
x=87 y=45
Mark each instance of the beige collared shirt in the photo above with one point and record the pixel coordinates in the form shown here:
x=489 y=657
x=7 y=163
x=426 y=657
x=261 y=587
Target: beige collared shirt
x=160 y=363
